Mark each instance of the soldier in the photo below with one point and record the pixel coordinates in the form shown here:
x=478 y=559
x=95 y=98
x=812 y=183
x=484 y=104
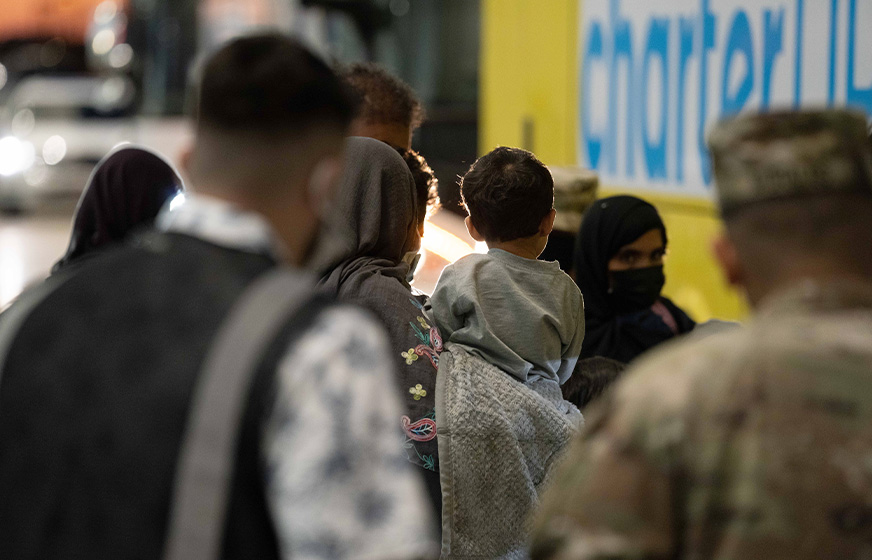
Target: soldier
x=757 y=442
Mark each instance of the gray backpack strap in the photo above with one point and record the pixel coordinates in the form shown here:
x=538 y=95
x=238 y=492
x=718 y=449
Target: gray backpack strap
x=208 y=451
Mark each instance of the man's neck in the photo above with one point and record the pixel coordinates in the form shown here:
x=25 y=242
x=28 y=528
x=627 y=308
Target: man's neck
x=276 y=214
x=758 y=294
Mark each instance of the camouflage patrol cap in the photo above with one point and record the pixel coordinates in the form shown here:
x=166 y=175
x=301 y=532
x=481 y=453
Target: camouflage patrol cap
x=769 y=156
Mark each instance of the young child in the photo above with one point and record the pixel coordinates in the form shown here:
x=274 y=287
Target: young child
x=520 y=314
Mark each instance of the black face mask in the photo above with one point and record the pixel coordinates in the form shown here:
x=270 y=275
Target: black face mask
x=636 y=289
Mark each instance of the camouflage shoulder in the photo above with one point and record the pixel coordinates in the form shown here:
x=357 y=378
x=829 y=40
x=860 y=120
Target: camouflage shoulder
x=663 y=383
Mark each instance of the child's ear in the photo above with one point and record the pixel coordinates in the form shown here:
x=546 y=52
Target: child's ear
x=472 y=231
x=547 y=225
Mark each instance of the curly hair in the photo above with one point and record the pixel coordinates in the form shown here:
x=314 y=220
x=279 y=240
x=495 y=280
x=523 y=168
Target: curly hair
x=426 y=183
x=383 y=97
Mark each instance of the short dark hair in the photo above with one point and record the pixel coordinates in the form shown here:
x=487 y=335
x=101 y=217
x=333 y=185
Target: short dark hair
x=382 y=97
x=271 y=84
x=507 y=193
x=832 y=228
x=592 y=376
x=426 y=183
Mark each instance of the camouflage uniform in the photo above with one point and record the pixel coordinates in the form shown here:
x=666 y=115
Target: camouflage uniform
x=755 y=443
x=750 y=444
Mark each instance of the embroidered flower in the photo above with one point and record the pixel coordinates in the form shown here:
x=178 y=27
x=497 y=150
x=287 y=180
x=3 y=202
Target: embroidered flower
x=418 y=392
x=423 y=322
x=429 y=462
x=410 y=357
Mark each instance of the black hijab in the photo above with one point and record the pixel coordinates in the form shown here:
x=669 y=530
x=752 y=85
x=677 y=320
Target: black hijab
x=608 y=225
x=126 y=190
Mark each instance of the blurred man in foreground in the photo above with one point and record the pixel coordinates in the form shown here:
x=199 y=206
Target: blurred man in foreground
x=755 y=443
x=98 y=381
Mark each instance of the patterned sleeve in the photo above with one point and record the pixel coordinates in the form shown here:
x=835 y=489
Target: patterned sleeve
x=338 y=483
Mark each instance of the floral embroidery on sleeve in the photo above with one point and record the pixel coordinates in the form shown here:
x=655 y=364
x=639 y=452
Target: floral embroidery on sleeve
x=431 y=342
x=418 y=392
x=410 y=355
x=423 y=429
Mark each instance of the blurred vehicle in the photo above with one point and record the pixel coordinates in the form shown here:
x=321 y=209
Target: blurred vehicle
x=57 y=128
x=67 y=97
x=78 y=77
x=106 y=73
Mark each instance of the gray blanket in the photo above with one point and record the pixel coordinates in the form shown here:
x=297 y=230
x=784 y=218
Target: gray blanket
x=499 y=440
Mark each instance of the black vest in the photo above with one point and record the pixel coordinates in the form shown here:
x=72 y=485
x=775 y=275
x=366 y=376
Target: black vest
x=95 y=393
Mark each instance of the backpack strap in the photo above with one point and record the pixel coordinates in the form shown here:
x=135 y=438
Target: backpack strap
x=206 y=460
x=12 y=318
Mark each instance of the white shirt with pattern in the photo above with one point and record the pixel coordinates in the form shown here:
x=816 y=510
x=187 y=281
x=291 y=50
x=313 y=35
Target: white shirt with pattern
x=338 y=483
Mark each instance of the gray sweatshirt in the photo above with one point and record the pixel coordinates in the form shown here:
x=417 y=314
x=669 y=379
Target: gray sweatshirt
x=522 y=315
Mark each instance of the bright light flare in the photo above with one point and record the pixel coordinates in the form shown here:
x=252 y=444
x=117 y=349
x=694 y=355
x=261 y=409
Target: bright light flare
x=445 y=244
x=105 y=12
x=54 y=150
x=120 y=56
x=177 y=201
x=103 y=42
x=15 y=156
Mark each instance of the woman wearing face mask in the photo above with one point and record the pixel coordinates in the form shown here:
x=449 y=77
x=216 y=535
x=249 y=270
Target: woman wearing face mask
x=619 y=269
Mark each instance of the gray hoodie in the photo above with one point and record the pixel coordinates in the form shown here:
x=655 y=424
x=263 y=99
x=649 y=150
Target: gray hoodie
x=524 y=316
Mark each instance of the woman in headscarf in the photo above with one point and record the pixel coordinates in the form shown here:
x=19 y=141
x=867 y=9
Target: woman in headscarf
x=376 y=206
x=126 y=190
x=619 y=269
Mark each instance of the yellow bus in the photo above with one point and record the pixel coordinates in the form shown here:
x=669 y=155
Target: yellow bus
x=629 y=87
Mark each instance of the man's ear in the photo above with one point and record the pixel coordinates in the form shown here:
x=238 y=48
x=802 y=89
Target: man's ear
x=323 y=180
x=728 y=258
x=547 y=224
x=472 y=231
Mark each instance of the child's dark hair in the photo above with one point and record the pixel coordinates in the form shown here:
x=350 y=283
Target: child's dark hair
x=592 y=376
x=507 y=193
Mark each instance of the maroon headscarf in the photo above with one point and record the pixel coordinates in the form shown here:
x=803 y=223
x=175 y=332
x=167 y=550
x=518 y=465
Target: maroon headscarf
x=126 y=190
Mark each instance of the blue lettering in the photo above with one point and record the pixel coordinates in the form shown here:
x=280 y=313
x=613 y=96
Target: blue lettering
x=739 y=42
x=669 y=39
x=797 y=62
x=622 y=46
x=686 y=33
x=861 y=97
x=772 y=45
x=834 y=14
x=593 y=50
x=656 y=45
x=707 y=43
